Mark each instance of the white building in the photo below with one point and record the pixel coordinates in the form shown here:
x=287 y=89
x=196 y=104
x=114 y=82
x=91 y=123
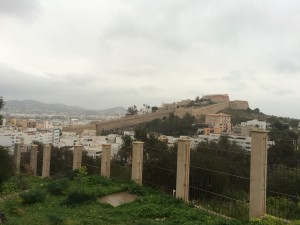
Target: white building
x=255 y=124
x=243 y=141
x=67 y=139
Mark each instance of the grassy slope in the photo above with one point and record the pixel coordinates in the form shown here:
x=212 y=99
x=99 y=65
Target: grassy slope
x=151 y=207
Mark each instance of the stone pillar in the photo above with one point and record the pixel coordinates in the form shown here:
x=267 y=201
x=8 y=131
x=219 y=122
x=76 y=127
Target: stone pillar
x=33 y=158
x=17 y=158
x=77 y=156
x=258 y=174
x=105 y=160
x=183 y=169
x=137 y=162
x=46 y=160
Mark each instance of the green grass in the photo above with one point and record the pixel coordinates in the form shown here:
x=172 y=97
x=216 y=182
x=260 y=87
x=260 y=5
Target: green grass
x=150 y=208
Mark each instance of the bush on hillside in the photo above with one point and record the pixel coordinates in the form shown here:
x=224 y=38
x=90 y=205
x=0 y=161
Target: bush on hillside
x=58 y=187
x=33 y=196
x=79 y=196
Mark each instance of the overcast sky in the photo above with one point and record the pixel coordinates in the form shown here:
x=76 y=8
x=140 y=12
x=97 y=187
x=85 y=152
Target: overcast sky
x=104 y=53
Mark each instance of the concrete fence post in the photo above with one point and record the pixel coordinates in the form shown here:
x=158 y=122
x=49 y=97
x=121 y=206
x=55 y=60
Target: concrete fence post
x=137 y=162
x=17 y=158
x=258 y=174
x=77 y=156
x=33 y=158
x=105 y=160
x=183 y=169
x=46 y=160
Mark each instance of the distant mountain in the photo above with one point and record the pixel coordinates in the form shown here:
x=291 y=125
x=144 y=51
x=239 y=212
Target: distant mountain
x=35 y=107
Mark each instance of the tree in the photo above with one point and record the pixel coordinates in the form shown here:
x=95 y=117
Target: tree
x=154 y=108
x=132 y=110
x=6 y=165
x=1 y=102
x=1 y=106
x=125 y=150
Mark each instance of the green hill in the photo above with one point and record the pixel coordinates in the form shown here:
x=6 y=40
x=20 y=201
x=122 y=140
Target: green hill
x=75 y=201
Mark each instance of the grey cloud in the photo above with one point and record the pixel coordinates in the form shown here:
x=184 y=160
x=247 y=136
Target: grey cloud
x=19 y=8
x=233 y=76
x=141 y=70
x=17 y=85
x=150 y=90
x=236 y=81
x=154 y=23
x=289 y=67
x=276 y=90
x=76 y=79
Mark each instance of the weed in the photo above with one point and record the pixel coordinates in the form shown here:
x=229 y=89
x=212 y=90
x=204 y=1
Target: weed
x=79 y=196
x=136 y=189
x=95 y=179
x=34 y=196
x=56 y=219
x=58 y=187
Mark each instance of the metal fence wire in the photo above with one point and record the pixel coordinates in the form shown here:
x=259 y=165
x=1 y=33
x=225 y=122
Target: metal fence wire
x=283 y=191
x=120 y=171
x=160 y=172
x=220 y=181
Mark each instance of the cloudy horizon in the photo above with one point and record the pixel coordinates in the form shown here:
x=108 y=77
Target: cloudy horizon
x=102 y=54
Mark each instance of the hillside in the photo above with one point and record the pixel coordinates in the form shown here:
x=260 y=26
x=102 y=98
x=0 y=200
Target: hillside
x=35 y=107
x=78 y=202
x=238 y=116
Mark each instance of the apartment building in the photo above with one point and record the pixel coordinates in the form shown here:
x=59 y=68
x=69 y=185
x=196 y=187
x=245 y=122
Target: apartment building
x=243 y=141
x=245 y=128
x=220 y=122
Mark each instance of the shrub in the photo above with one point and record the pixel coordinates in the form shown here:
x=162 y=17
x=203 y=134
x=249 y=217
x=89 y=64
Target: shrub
x=33 y=196
x=136 y=189
x=58 y=187
x=78 y=173
x=79 y=196
x=56 y=219
x=15 y=184
x=96 y=179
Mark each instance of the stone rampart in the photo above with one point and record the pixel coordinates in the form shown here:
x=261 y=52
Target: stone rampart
x=79 y=128
x=196 y=112
x=129 y=121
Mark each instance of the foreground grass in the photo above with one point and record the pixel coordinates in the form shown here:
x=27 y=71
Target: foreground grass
x=59 y=206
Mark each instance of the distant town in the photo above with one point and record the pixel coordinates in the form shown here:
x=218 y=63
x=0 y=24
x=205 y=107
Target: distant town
x=92 y=132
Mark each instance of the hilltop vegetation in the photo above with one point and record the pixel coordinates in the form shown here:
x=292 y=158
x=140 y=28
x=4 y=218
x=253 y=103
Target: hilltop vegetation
x=239 y=115
x=172 y=126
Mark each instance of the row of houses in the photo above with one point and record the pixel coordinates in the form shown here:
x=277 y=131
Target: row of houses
x=216 y=125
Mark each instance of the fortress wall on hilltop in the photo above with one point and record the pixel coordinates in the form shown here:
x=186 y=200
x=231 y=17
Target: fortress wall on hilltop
x=129 y=121
x=138 y=119
x=79 y=128
x=180 y=112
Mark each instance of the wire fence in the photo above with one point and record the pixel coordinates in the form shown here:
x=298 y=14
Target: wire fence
x=219 y=181
x=283 y=191
x=160 y=178
x=120 y=171
x=159 y=170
